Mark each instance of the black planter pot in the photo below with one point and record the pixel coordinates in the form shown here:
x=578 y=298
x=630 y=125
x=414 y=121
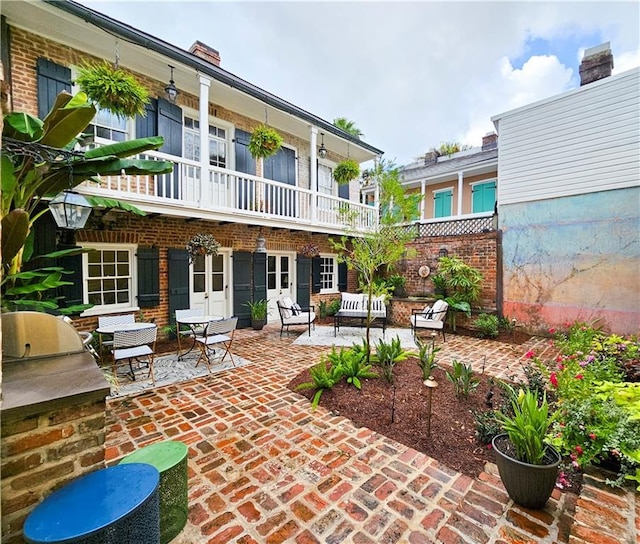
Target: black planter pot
x=258 y=324
x=528 y=485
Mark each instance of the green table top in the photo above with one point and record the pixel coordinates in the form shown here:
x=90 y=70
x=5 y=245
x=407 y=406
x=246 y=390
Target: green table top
x=161 y=455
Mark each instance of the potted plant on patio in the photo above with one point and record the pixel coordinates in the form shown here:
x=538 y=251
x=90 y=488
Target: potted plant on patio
x=528 y=466
x=259 y=313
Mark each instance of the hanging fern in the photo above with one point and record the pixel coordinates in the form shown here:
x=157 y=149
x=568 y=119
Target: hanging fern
x=113 y=89
x=265 y=141
x=346 y=171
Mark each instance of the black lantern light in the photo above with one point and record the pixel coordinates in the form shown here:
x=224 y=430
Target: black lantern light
x=171 y=90
x=322 y=150
x=70 y=210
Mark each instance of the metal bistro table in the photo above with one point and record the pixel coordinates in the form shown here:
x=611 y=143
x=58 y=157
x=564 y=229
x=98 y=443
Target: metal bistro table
x=115 y=505
x=192 y=322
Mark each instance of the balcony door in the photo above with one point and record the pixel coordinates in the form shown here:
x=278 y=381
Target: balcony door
x=279 y=280
x=209 y=284
x=281 y=167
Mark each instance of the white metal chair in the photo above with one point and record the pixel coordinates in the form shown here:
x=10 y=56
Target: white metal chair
x=430 y=318
x=292 y=314
x=110 y=321
x=217 y=333
x=134 y=344
x=192 y=331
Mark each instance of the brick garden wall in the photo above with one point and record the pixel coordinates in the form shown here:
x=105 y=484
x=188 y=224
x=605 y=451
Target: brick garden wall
x=42 y=452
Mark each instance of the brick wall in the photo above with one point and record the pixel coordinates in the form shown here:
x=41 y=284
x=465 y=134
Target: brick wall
x=166 y=233
x=477 y=250
x=40 y=453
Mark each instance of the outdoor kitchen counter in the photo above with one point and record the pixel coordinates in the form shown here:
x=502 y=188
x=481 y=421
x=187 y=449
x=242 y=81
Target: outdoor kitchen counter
x=36 y=385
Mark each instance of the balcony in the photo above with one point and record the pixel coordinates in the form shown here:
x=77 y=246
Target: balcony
x=228 y=195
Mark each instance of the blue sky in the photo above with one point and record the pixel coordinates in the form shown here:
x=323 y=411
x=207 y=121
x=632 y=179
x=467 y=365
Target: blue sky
x=409 y=74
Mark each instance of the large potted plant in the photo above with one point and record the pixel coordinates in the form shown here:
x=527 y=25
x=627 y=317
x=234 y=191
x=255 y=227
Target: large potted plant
x=259 y=313
x=528 y=466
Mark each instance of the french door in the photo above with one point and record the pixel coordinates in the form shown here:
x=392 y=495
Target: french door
x=280 y=281
x=209 y=284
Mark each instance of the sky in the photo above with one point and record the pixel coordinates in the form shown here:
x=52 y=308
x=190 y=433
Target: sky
x=410 y=75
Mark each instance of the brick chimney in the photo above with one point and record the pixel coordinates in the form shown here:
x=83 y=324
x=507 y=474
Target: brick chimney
x=596 y=64
x=205 y=52
x=489 y=141
x=431 y=157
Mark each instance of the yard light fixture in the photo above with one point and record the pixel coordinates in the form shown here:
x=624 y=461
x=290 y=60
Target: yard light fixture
x=70 y=210
x=322 y=151
x=430 y=384
x=171 y=90
x=261 y=244
x=444 y=252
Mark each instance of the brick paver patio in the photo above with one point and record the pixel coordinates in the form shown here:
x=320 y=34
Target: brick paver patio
x=264 y=468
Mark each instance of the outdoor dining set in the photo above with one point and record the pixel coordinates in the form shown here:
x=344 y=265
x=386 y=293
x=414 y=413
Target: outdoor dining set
x=127 y=340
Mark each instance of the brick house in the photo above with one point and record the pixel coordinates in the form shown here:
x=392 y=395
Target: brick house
x=281 y=204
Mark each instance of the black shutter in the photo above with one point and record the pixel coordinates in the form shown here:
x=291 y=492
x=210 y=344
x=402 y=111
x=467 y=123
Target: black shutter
x=148 y=125
x=245 y=188
x=244 y=160
x=72 y=294
x=303 y=276
x=170 y=127
x=316 y=268
x=178 y=275
x=52 y=79
x=148 y=277
x=342 y=277
x=259 y=276
x=242 y=287
x=343 y=191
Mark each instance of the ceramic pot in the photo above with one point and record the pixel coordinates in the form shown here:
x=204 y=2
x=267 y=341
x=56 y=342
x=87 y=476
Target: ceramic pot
x=528 y=485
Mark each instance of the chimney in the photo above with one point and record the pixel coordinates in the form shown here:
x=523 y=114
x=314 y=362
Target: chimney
x=205 y=52
x=489 y=141
x=596 y=64
x=431 y=157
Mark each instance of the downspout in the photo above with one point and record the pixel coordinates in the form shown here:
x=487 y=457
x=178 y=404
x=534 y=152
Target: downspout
x=460 y=188
x=204 y=140
x=313 y=172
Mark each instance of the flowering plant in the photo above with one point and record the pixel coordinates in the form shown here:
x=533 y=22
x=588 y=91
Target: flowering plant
x=310 y=250
x=599 y=412
x=202 y=244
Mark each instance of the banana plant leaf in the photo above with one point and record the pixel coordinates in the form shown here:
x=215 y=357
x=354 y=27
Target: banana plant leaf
x=22 y=126
x=15 y=228
x=126 y=148
x=110 y=203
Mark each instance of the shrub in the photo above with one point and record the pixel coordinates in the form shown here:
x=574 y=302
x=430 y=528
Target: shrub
x=387 y=355
x=323 y=377
x=333 y=307
x=352 y=363
x=487 y=325
x=462 y=378
x=427 y=358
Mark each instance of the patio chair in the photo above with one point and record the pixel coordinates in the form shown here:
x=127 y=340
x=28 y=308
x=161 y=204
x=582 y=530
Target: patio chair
x=292 y=314
x=190 y=331
x=109 y=321
x=217 y=335
x=431 y=318
x=130 y=345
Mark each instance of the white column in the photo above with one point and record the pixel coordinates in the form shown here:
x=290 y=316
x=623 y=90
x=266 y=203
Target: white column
x=313 y=172
x=460 y=182
x=203 y=117
x=423 y=201
x=377 y=185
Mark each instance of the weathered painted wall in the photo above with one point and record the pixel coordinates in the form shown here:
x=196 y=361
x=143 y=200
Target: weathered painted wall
x=574 y=258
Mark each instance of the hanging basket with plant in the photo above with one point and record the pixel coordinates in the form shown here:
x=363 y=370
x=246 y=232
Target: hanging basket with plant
x=346 y=171
x=310 y=250
x=265 y=141
x=202 y=244
x=113 y=89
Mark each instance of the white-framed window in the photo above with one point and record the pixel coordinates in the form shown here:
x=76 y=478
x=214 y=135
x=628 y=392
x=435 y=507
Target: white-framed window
x=109 y=276
x=328 y=273
x=326 y=184
x=218 y=143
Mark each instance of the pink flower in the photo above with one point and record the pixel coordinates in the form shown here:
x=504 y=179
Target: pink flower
x=579 y=450
x=592 y=436
x=558 y=358
x=530 y=354
x=579 y=376
x=552 y=330
x=553 y=379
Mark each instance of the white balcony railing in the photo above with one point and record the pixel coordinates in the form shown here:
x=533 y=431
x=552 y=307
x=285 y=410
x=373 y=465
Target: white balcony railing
x=231 y=192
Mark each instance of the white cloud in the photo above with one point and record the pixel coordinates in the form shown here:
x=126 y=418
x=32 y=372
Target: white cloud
x=409 y=74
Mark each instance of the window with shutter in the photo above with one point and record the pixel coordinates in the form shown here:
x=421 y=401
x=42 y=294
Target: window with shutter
x=442 y=201
x=483 y=197
x=52 y=79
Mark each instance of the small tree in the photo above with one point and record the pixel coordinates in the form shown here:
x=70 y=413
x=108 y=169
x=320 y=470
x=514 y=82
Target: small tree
x=370 y=253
